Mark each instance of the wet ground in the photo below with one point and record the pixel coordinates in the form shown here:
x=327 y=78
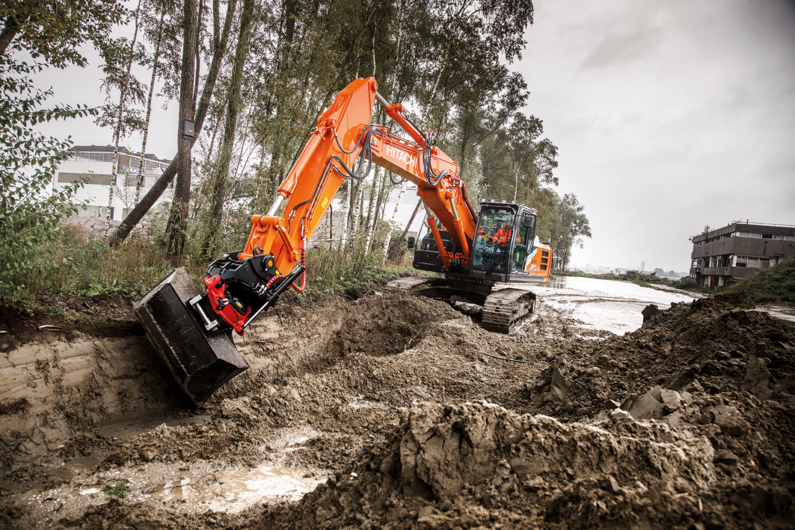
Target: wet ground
x=391 y=411
x=604 y=304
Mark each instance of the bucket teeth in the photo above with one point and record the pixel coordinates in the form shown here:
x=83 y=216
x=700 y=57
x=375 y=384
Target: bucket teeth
x=201 y=362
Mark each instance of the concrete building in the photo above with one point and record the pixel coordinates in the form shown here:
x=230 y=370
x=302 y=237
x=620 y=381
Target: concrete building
x=96 y=163
x=729 y=254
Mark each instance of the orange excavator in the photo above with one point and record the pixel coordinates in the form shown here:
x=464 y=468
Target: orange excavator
x=192 y=330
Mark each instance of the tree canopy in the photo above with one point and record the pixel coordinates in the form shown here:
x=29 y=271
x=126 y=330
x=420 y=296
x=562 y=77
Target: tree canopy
x=449 y=61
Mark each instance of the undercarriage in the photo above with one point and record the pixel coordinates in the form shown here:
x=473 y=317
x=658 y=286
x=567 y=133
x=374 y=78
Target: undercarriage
x=502 y=309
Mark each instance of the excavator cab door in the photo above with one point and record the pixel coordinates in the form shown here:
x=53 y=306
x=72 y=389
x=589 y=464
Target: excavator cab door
x=524 y=244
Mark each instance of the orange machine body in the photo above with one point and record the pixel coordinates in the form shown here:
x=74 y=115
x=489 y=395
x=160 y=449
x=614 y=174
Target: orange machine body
x=540 y=263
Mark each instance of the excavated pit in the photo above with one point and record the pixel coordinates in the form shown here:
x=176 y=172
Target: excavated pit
x=385 y=413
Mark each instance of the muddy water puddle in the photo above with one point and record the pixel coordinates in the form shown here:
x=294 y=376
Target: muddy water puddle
x=607 y=305
x=234 y=490
x=197 y=487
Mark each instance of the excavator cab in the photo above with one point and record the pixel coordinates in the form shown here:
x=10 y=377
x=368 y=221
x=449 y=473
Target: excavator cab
x=505 y=247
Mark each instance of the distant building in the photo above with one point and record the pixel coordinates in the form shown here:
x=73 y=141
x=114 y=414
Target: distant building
x=729 y=254
x=96 y=164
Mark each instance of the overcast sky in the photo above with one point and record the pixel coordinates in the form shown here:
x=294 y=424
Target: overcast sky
x=669 y=116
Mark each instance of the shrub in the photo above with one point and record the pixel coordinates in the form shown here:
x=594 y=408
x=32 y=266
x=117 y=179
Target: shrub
x=685 y=283
x=30 y=214
x=776 y=284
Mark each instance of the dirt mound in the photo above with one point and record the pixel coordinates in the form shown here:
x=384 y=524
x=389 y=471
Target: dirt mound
x=722 y=344
x=389 y=324
x=472 y=465
x=685 y=422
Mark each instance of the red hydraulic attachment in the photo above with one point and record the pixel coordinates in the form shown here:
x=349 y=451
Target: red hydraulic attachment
x=221 y=304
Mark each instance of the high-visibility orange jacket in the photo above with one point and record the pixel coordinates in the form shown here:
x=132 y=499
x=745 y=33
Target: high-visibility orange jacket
x=502 y=235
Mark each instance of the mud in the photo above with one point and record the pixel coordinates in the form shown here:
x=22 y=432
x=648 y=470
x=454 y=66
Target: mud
x=385 y=413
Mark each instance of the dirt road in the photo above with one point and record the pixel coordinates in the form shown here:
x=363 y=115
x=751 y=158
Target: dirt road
x=392 y=411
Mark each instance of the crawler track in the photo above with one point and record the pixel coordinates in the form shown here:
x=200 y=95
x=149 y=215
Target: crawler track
x=505 y=308
x=502 y=311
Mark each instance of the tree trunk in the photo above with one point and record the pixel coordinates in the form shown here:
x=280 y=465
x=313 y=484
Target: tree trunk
x=117 y=132
x=357 y=207
x=396 y=247
x=198 y=55
x=177 y=223
x=516 y=184
x=360 y=207
x=230 y=125
x=372 y=212
x=392 y=219
x=151 y=197
x=345 y=211
x=141 y=167
x=10 y=30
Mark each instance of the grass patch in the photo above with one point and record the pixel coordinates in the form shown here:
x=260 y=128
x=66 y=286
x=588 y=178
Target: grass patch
x=79 y=263
x=643 y=280
x=404 y=328
x=776 y=284
x=119 y=490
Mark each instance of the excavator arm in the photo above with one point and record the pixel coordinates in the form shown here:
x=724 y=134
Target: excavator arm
x=192 y=331
x=343 y=145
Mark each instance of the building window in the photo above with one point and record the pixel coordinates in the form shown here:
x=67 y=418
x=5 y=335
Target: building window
x=753 y=263
x=93 y=178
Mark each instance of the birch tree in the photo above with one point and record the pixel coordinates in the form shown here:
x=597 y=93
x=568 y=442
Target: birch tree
x=119 y=55
x=232 y=107
x=155 y=60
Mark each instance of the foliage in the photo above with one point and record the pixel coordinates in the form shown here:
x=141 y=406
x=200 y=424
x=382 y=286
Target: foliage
x=354 y=291
x=448 y=60
x=643 y=280
x=52 y=34
x=331 y=270
x=776 y=284
x=79 y=264
x=29 y=213
x=685 y=283
x=118 y=54
x=569 y=226
x=55 y=30
x=120 y=490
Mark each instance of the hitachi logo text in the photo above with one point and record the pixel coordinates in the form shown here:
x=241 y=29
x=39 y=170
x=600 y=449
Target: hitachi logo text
x=400 y=156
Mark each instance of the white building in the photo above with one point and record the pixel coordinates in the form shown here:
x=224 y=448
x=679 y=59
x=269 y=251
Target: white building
x=96 y=164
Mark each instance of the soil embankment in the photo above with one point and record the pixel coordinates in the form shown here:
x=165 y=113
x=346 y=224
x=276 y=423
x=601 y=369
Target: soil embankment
x=388 y=412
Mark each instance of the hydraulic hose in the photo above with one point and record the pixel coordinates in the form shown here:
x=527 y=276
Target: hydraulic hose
x=431 y=177
x=303 y=274
x=354 y=174
x=282 y=276
x=400 y=180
